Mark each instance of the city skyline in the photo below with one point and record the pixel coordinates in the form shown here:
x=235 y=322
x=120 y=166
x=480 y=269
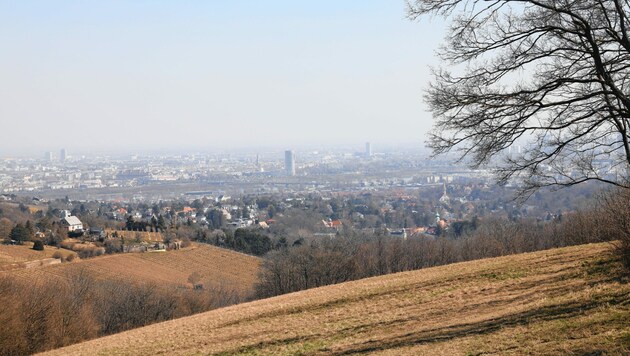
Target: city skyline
x=53 y=153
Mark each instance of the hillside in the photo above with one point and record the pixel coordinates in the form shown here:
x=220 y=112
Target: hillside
x=142 y=235
x=15 y=256
x=553 y=302
x=216 y=267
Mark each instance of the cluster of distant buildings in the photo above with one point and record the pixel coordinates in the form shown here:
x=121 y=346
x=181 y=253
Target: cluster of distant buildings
x=63 y=155
x=289 y=159
x=105 y=177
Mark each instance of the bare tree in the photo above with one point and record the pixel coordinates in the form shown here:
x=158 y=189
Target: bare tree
x=552 y=74
x=5 y=228
x=615 y=215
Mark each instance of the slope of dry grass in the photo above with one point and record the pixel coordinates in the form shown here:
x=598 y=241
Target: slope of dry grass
x=13 y=255
x=551 y=302
x=141 y=235
x=215 y=266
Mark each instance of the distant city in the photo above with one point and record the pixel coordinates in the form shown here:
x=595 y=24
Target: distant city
x=162 y=176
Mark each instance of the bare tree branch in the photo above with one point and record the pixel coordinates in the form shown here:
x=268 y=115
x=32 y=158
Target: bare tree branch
x=553 y=76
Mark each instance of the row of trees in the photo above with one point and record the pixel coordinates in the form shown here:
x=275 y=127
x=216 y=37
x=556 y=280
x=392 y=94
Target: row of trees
x=155 y=224
x=329 y=261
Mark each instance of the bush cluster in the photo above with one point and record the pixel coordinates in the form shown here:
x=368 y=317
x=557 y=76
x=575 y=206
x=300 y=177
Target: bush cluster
x=46 y=314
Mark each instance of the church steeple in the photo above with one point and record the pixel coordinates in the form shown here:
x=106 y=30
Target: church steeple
x=444 y=198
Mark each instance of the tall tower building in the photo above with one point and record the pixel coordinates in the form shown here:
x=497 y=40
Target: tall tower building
x=258 y=166
x=48 y=156
x=289 y=163
x=368 y=149
x=63 y=155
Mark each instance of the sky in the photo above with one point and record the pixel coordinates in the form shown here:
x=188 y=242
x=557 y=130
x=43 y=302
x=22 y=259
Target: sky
x=152 y=74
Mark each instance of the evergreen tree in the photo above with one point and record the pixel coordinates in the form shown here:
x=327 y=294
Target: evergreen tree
x=129 y=225
x=20 y=234
x=161 y=224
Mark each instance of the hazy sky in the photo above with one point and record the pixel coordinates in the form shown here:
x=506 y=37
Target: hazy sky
x=175 y=74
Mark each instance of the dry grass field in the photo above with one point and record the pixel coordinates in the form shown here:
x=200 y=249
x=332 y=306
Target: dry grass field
x=31 y=208
x=215 y=266
x=12 y=256
x=563 y=301
x=141 y=235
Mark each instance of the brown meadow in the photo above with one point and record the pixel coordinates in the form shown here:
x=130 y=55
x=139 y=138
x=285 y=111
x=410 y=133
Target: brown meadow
x=214 y=266
x=560 y=301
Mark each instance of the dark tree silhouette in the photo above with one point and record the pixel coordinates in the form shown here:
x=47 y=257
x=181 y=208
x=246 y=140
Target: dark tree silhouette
x=554 y=74
x=20 y=233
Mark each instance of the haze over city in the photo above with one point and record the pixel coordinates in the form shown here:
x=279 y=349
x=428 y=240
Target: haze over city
x=119 y=75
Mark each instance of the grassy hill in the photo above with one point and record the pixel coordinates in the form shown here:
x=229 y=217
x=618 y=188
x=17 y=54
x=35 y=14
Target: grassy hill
x=216 y=267
x=14 y=256
x=142 y=235
x=561 y=301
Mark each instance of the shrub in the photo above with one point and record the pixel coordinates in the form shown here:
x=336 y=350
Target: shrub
x=70 y=258
x=58 y=255
x=68 y=245
x=75 y=234
x=185 y=242
x=38 y=245
x=113 y=246
x=83 y=254
x=91 y=251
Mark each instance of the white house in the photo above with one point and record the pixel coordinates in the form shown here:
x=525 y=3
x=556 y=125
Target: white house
x=72 y=223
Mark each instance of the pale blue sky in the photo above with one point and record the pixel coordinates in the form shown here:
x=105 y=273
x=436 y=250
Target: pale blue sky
x=87 y=74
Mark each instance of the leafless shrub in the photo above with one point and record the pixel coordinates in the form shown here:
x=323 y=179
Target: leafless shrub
x=58 y=255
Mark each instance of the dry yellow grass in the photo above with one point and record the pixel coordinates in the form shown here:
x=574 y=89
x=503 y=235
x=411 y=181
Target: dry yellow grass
x=11 y=256
x=142 y=235
x=551 y=302
x=216 y=266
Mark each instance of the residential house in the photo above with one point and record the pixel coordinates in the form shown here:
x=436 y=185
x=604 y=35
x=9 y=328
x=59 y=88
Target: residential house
x=332 y=224
x=72 y=223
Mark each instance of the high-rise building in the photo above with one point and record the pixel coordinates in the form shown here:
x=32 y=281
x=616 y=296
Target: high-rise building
x=63 y=155
x=368 y=149
x=289 y=163
x=259 y=167
x=48 y=156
